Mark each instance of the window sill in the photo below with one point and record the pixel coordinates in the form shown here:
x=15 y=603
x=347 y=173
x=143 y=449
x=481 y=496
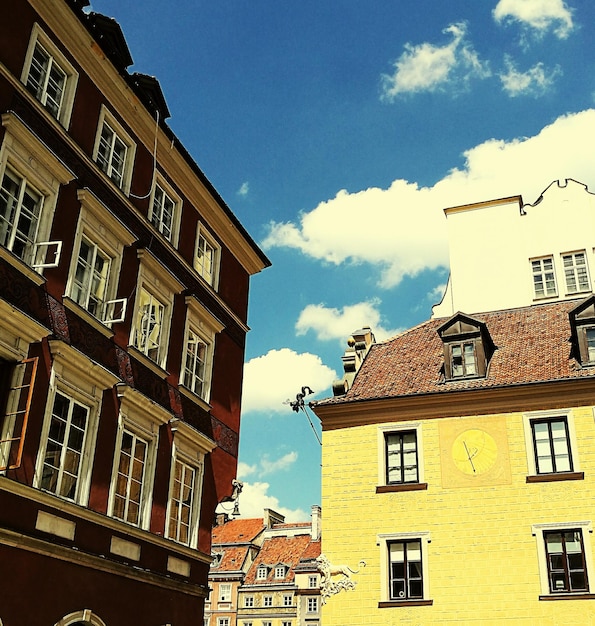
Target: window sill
x=550 y=478
x=194 y=397
x=569 y=596
x=145 y=360
x=93 y=321
x=21 y=266
x=395 y=603
x=401 y=487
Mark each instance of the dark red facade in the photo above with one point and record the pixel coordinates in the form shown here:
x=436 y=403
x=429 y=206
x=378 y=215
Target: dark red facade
x=124 y=282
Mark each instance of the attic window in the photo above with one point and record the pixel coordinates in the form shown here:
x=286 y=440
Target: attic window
x=582 y=322
x=468 y=347
x=261 y=572
x=280 y=571
x=216 y=559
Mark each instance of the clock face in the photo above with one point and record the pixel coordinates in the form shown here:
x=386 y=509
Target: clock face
x=474 y=452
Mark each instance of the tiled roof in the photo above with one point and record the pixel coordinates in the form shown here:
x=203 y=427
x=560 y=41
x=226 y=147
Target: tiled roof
x=276 y=551
x=532 y=345
x=312 y=551
x=232 y=560
x=238 y=531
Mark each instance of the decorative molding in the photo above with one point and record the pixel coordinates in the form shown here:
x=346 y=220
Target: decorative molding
x=343 y=582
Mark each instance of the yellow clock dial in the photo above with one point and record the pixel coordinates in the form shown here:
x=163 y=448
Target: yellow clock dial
x=474 y=452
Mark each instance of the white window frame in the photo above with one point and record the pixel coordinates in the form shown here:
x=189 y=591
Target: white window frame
x=267 y=601
x=537 y=530
x=287 y=599
x=383 y=540
x=313 y=605
x=143 y=418
x=202 y=326
x=248 y=602
x=224 y=592
x=528 y=418
x=262 y=572
x=168 y=192
x=280 y=571
x=190 y=448
x=39 y=37
x=387 y=429
x=106 y=118
x=155 y=280
x=30 y=160
x=223 y=621
x=104 y=230
x=74 y=376
x=312 y=581
x=574 y=268
x=542 y=272
x=212 y=277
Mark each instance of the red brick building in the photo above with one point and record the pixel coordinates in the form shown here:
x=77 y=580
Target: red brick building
x=124 y=284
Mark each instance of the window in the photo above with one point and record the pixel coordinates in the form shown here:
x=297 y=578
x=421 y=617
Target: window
x=268 y=601
x=28 y=195
x=280 y=571
x=401 y=457
x=131 y=475
x=544 y=277
x=287 y=600
x=576 y=272
x=285 y=623
x=189 y=449
x=114 y=151
x=467 y=346
x=404 y=578
x=68 y=435
x=582 y=323
x=261 y=572
x=312 y=606
x=49 y=77
x=206 y=260
x=249 y=601
x=94 y=271
x=551 y=442
x=565 y=561
x=164 y=211
x=312 y=582
x=267 y=623
x=224 y=592
x=152 y=316
x=223 y=621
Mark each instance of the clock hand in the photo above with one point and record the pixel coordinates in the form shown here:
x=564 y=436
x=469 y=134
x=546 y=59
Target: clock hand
x=469 y=456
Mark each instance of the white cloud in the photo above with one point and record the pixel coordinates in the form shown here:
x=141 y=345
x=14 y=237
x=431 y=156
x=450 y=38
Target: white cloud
x=271 y=379
x=244 y=189
x=255 y=498
x=534 y=82
x=427 y=67
x=331 y=323
x=437 y=293
x=405 y=228
x=539 y=15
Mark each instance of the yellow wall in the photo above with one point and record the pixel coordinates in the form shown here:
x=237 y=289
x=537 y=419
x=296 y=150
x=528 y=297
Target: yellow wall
x=482 y=559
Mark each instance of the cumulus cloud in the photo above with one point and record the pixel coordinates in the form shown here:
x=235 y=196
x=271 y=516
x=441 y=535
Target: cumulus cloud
x=428 y=67
x=255 y=498
x=405 y=230
x=331 y=323
x=541 y=16
x=244 y=189
x=271 y=379
x=534 y=82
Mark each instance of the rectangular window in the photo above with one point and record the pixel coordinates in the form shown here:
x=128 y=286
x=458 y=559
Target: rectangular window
x=46 y=80
x=206 y=259
x=181 y=509
x=401 y=457
x=267 y=623
x=224 y=592
x=149 y=325
x=130 y=480
x=287 y=600
x=312 y=582
x=49 y=77
x=163 y=211
x=544 y=278
x=551 y=443
x=20 y=211
x=223 y=621
x=590 y=341
x=405 y=570
x=463 y=359
x=62 y=457
x=249 y=602
x=285 y=623
x=280 y=571
x=261 y=572
x=566 y=563
x=576 y=272
x=90 y=280
x=268 y=601
x=196 y=373
x=312 y=606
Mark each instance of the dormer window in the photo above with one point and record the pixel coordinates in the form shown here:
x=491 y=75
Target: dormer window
x=261 y=572
x=468 y=347
x=280 y=571
x=582 y=323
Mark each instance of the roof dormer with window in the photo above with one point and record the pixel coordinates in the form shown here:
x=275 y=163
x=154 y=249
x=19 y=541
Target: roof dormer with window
x=582 y=324
x=468 y=347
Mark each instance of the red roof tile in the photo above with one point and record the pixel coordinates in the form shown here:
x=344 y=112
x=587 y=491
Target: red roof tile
x=232 y=560
x=238 y=531
x=532 y=345
x=278 y=551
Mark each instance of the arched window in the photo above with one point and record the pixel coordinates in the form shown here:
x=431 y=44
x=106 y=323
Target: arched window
x=86 y=617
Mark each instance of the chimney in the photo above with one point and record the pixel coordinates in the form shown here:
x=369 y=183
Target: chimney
x=359 y=345
x=316 y=531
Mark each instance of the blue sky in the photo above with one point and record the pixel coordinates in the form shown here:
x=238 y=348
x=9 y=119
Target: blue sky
x=338 y=132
